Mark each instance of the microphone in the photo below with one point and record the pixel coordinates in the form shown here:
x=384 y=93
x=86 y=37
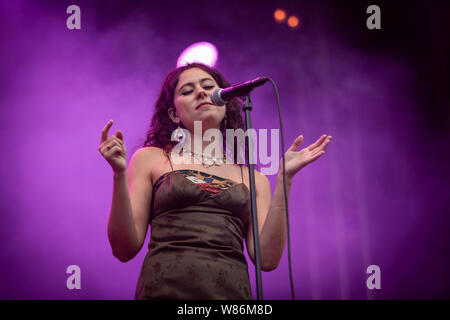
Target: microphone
x=219 y=97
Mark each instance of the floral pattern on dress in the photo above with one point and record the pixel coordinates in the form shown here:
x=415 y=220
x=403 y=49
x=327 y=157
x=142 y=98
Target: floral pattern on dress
x=208 y=182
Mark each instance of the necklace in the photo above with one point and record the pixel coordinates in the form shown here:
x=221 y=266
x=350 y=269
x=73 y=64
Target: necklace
x=208 y=161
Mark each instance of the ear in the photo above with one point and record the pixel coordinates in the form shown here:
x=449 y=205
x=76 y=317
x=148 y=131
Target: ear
x=173 y=115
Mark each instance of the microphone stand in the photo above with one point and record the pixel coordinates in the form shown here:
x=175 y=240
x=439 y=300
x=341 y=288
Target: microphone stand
x=247 y=108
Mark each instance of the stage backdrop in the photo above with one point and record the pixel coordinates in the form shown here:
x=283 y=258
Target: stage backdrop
x=379 y=195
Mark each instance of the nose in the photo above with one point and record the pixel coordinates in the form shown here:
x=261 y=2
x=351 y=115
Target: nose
x=201 y=93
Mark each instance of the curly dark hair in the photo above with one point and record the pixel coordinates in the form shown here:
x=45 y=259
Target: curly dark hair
x=161 y=126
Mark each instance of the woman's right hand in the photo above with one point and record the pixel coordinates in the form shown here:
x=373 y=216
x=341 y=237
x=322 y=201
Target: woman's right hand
x=113 y=149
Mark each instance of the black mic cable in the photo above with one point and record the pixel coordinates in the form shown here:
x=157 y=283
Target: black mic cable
x=284 y=189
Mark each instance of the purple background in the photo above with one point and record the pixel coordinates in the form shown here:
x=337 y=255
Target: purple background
x=378 y=196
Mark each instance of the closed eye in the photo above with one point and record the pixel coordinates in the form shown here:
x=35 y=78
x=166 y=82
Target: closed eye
x=190 y=91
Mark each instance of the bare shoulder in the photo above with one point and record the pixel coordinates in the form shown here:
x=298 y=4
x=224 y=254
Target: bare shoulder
x=148 y=152
x=144 y=159
x=147 y=155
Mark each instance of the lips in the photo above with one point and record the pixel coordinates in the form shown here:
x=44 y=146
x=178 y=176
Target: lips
x=202 y=104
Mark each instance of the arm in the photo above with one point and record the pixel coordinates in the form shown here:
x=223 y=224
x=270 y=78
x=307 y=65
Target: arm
x=130 y=207
x=271 y=221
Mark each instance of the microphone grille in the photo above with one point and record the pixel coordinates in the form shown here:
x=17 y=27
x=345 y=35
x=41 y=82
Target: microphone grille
x=215 y=98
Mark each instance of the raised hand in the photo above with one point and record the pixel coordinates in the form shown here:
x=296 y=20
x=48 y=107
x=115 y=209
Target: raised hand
x=113 y=149
x=296 y=160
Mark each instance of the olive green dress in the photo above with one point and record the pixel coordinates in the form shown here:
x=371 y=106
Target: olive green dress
x=198 y=222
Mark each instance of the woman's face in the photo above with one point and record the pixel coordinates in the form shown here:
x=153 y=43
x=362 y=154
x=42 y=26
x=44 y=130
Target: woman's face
x=192 y=100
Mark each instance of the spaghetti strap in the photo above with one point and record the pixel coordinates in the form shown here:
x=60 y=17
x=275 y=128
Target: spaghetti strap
x=168 y=157
x=242 y=176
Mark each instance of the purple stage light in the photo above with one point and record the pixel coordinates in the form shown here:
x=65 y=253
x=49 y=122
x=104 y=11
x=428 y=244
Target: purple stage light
x=203 y=52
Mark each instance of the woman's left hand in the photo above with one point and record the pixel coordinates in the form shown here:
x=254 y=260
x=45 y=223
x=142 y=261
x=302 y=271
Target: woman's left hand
x=296 y=160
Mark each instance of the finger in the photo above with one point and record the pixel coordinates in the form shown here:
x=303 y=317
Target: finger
x=105 y=130
x=109 y=145
x=113 y=150
x=119 y=135
x=105 y=143
x=297 y=142
x=324 y=143
x=317 y=143
x=115 y=143
x=317 y=155
x=114 y=138
x=109 y=140
x=104 y=149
